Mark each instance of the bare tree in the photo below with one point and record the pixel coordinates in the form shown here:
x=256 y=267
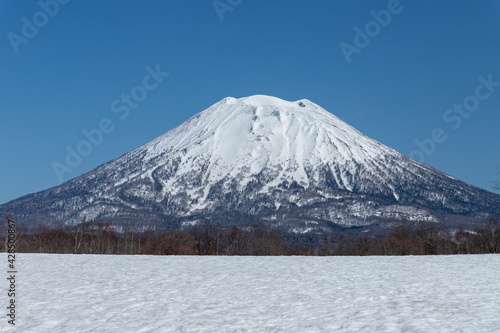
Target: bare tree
x=496 y=183
x=235 y=241
x=176 y=242
x=207 y=238
x=400 y=239
x=493 y=235
x=463 y=241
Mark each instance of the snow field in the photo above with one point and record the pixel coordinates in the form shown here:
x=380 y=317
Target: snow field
x=98 y=293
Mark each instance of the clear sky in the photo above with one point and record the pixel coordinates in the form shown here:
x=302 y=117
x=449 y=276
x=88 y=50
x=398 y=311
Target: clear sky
x=397 y=71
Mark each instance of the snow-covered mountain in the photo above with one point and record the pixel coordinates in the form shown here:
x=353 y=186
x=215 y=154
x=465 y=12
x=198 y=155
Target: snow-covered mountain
x=260 y=158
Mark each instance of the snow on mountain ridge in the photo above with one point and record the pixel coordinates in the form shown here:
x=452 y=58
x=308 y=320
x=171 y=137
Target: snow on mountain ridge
x=251 y=134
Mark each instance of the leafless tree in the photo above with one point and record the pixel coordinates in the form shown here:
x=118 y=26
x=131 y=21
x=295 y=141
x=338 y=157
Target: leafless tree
x=463 y=241
x=496 y=183
x=176 y=242
x=207 y=237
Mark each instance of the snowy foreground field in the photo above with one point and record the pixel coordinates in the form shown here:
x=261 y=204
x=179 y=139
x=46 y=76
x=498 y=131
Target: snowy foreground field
x=89 y=293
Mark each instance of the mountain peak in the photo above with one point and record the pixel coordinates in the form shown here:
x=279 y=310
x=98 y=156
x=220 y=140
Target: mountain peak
x=265 y=100
x=265 y=133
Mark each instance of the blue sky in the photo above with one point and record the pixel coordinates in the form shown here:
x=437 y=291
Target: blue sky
x=62 y=78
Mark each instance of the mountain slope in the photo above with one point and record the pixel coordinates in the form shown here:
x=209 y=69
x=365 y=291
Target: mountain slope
x=260 y=157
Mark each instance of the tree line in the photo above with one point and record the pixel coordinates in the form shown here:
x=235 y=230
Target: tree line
x=97 y=237
x=420 y=239
x=257 y=239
